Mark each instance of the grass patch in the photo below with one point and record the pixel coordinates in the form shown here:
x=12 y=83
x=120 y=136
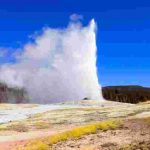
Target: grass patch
x=137 y=146
x=41 y=125
x=38 y=145
x=147 y=120
x=19 y=127
x=143 y=103
x=38 y=115
x=3 y=127
x=75 y=133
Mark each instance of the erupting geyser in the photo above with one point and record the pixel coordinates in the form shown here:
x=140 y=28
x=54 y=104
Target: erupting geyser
x=60 y=65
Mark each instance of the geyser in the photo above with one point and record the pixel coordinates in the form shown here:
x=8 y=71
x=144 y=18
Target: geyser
x=60 y=65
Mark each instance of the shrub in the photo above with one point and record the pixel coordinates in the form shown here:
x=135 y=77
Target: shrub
x=19 y=127
x=3 y=127
x=41 y=125
x=77 y=132
x=147 y=120
x=38 y=146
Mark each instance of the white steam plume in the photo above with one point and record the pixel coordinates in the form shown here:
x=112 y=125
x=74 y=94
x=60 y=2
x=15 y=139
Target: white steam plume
x=59 y=65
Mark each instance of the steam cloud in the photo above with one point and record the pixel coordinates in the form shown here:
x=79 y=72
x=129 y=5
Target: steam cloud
x=59 y=65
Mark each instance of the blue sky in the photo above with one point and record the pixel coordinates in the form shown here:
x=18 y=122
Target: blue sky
x=123 y=37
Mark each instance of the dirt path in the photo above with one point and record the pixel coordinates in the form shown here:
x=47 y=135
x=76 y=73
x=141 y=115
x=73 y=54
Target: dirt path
x=12 y=145
x=27 y=135
x=11 y=141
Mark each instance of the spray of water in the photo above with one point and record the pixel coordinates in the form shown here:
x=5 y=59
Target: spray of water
x=60 y=65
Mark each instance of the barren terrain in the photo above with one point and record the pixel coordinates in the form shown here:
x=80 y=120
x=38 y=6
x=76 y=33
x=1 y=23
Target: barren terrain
x=23 y=123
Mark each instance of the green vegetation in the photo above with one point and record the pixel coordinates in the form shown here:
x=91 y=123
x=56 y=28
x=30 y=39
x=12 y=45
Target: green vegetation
x=137 y=146
x=147 y=120
x=3 y=127
x=38 y=145
x=41 y=125
x=76 y=133
x=127 y=94
x=19 y=127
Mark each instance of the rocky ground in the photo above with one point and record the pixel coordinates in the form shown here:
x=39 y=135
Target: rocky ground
x=134 y=134
x=24 y=122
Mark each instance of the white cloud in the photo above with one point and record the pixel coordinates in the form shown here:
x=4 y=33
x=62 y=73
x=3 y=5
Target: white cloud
x=76 y=17
x=59 y=65
x=3 y=52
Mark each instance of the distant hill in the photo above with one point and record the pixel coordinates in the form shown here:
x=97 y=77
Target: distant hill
x=12 y=95
x=127 y=94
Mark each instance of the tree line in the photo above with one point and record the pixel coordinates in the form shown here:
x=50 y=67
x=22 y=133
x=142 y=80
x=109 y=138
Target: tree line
x=126 y=94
